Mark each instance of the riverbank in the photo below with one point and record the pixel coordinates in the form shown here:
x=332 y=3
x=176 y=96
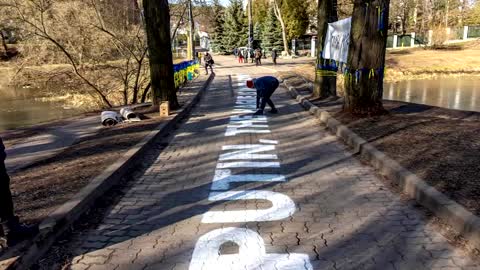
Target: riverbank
x=439 y=145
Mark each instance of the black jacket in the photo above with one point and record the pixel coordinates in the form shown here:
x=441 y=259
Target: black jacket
x=3 y=155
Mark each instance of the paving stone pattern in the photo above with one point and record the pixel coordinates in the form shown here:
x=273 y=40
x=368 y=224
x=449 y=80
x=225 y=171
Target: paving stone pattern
x=344 y=218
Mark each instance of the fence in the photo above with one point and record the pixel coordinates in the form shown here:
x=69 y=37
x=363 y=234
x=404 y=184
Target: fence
x=473 y=32
x=185 y=71
x=453 y=35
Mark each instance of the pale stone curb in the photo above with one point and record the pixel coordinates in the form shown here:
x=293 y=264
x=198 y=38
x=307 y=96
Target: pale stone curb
x=462 y=220
x=61 y=219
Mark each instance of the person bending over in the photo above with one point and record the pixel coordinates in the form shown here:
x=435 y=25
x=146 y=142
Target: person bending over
x=265 y=87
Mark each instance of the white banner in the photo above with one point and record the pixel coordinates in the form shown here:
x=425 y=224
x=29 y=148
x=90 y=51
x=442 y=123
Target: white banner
x=337 y=40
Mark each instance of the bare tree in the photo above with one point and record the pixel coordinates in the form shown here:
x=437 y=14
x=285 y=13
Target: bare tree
x=278 y=14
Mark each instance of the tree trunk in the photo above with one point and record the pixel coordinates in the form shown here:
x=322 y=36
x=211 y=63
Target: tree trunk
x=145 y=93
x=325 y=75
x=366 y=58
x=157 y=20
x=4 y=43
x=278 y=14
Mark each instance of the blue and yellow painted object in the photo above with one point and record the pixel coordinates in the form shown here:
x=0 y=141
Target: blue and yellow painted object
x=185 y=71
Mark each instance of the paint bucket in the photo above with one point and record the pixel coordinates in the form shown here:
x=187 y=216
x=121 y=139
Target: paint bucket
x=110 y=118
x=128 y=113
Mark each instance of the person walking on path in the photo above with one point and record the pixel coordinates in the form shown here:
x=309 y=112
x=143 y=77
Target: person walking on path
x=246 y=54
x=208 y=62
x=240 y=56
x=235 y=52
x=265 y=87
x=11 y=230
x=258 y=57
x=274 y=56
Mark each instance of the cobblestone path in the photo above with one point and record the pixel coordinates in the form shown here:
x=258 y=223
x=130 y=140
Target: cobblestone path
x=276 y=192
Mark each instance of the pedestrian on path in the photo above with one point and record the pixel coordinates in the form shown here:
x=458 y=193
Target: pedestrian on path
x=274 y=56
x=246 y=55
x=265 y=87
x=235 y=52
x=240 y=56
x=208 y=62
x=11 y=230
x=258 y=57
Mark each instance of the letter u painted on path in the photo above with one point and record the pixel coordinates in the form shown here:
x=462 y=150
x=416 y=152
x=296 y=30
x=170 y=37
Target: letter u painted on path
x=251 y=255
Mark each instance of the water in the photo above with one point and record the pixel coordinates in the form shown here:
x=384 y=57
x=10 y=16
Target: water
x=462 y=93
x=24 y=107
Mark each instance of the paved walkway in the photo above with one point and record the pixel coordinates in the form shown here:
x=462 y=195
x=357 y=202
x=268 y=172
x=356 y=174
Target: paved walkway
x=275 y=193
x=236 y=192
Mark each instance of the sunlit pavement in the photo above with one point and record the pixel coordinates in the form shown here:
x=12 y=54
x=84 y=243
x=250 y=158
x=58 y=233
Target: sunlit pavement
x=232 y=191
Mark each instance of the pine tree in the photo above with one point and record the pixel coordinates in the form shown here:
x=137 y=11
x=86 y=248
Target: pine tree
x=258 y=31
x=235 y=28
x=218 y=30
x=272 y=33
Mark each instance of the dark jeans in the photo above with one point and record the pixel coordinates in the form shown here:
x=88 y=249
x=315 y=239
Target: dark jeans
x=266 y=100
x=258 y=61
x=6 y=203
x=206 y=68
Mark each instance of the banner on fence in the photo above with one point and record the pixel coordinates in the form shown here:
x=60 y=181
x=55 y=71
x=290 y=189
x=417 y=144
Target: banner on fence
x=337 y=40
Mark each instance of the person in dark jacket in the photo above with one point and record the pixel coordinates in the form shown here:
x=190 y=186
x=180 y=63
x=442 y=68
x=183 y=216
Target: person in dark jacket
x=11 y=230
x=274 y=56
x=258 y=57
x=265 y=87
x=208 y=60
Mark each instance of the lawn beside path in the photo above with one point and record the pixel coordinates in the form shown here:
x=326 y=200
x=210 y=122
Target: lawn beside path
x=439 y=145
x=420 y=63
x=46 y=184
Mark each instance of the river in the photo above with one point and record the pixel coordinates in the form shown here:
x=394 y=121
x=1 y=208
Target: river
x=460 y=93
x=25 y=107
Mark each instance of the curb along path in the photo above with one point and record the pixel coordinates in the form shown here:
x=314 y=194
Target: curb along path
x=251 y=247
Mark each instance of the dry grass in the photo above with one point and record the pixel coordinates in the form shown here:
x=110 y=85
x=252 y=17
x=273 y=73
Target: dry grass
x=420 y=63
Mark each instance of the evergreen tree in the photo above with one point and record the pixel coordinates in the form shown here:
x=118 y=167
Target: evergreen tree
x=218 y=30
x=235 y=27
x=258 y=31
x=272 y=33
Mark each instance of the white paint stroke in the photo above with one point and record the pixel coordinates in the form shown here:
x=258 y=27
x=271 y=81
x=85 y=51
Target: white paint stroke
x=247 y=125
x=223 y=178
x=247 y=152
x=268 y=141
x=282 y=207
x=257 y=118
x=236 y=111
x=251 y=256
x=235 y=131
x=248 y=164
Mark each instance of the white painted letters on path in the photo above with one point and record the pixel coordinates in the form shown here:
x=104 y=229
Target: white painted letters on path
x=252 y=255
